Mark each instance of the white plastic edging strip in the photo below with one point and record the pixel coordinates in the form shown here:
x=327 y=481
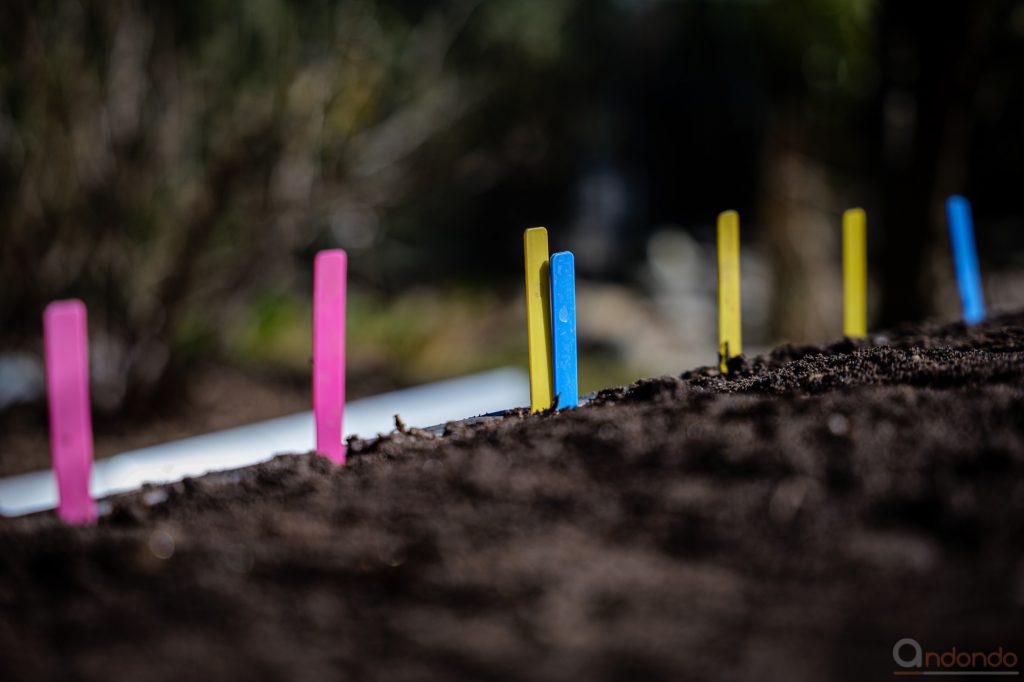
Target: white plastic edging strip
x=422 y=406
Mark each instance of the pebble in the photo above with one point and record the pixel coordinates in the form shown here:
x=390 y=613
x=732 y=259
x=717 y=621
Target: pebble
x=161 y=544
x=155 y=496
x=238 y=559
x=786 y=500
x=838 y=424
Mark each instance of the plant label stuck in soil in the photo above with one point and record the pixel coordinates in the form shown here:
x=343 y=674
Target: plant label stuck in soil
x=538 y=317
x=965 y=258
x=855 y=274
x=730 y=343
x=563 y=329
x=67 y=389
x=329 y=282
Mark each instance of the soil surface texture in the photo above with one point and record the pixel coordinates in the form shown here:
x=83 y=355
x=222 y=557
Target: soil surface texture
x=790 y=521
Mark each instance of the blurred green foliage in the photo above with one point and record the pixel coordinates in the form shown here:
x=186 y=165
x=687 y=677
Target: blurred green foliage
x=177 y=164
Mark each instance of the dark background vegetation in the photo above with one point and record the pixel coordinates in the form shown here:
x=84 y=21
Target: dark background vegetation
x=177 y=165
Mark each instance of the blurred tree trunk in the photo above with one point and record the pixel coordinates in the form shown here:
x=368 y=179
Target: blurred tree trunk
x=929 y=60
x=929 y=56
x=799 y=234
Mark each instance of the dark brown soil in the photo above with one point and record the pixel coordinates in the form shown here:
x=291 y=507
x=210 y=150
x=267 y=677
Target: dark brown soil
x=789 y=523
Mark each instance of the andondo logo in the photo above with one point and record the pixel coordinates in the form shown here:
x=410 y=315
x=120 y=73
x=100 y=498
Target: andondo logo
x=913 y=659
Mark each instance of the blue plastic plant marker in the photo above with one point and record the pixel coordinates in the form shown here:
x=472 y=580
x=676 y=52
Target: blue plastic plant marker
x=563 y=329
x=965 y=258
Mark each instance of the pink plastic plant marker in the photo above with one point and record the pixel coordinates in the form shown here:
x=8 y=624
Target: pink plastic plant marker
x=329 y=279
x=67 y=389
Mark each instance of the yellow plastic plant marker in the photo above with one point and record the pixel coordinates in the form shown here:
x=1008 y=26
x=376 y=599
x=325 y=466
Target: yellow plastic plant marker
x=730 y=336
x=538 y=317
x=855 y=274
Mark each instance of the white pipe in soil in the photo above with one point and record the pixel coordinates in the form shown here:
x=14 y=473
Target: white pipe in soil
x=422 y=406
